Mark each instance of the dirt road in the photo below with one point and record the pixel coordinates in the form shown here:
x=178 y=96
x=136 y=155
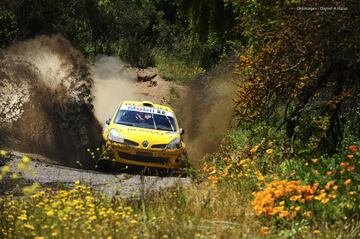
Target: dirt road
x=51 y=174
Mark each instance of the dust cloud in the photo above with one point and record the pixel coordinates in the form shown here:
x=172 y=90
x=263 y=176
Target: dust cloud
x=113 y=82
x=46 y=101
x=206 y=110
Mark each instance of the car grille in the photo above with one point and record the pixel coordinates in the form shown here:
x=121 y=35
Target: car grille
x=130 y=143
x=143 y=158
x=159 y=146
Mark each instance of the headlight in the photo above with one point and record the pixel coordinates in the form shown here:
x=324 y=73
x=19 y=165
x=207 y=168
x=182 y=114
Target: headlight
x=174 y=144
x=115 y=136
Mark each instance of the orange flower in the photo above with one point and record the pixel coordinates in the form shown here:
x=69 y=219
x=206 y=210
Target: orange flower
x=325 y=201
x=284 y=214
x=335 y=187
x=350 y=156
x=265 y=231
x=353 y=148
x=315 y=186
x=307 y=213
x=351 y=168
x=309 y=198
x=329 y=184
x=344 y=164
x=347 y=182
x=315 y=160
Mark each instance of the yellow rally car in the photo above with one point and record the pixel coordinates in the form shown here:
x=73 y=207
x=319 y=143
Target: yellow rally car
x=144 y=134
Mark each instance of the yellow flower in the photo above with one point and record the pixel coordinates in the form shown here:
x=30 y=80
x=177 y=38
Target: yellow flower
x=298 y=208
x=50 y=213
x=14 y=176
x=3 y=153
x=26 y=159
x=315 y=160
x=347 y=182
x=5 y=169
x=265 y=231
x=325 y=201
x=39 y=238
x=307 y=213
x=133 y=221
x=269 y=151
x=316 y=232
x=22 y=217
x=254 y=149
x=352 y=193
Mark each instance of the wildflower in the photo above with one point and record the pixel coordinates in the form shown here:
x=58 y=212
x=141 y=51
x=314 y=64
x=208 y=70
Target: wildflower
x=351 y=169
x=14 y=176
x=5 y=169
x=335 y=187
x=325 y=200
x=307 y=214
x=3 y=153
x=29 y=226
x=295 y=198
x=347 y=182
x=315 y=186
x=298 y=208
x=353 y=148
x=269 y=151
x=254 y=149
x=344 y=164
x=50 y=213
x=316 y=232
x=352 y=193
x=265 y=231
x=315 y=160
x=329 y=184
x=22 y=217
x=26 y=160
x=284 y=214
x=350 y=156
x=133 y=221
x=331 y=172
x=39 y=238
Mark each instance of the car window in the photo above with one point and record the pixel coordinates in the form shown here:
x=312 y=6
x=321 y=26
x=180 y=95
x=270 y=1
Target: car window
x=145 y=120
x=164 y=122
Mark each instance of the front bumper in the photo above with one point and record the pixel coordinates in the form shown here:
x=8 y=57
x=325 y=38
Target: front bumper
x=161 y=158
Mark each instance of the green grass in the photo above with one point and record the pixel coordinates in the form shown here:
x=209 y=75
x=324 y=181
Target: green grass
x=172 y=68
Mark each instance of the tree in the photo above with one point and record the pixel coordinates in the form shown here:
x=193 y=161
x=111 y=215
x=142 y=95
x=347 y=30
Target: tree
x=302 y=62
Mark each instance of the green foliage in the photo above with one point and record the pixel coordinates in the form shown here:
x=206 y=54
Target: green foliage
x=296 y=62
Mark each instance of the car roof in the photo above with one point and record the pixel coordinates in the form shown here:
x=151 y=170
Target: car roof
x=146 y=104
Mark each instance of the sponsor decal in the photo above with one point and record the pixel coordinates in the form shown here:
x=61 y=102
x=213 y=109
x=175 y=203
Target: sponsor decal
x=147 y=110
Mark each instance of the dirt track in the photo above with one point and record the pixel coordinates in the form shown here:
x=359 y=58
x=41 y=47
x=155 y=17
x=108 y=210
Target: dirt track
x=50 y=174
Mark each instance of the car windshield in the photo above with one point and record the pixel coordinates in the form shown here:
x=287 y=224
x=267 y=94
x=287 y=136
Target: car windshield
x=145 y=120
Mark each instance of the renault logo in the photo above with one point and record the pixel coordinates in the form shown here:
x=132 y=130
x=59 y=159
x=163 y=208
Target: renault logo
x=145 y=144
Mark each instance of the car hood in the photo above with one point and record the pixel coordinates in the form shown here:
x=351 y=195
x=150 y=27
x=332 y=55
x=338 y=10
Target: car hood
x=139 y=135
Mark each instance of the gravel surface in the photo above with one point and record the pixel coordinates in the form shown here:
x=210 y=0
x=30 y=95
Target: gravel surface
x=126 y=185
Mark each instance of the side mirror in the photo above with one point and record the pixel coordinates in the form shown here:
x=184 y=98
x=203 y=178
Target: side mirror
x=108 y=121
x=182 y=131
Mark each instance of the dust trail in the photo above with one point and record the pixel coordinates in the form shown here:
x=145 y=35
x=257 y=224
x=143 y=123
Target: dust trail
x=206 y=110
x=46 y=100
x=113 y=82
